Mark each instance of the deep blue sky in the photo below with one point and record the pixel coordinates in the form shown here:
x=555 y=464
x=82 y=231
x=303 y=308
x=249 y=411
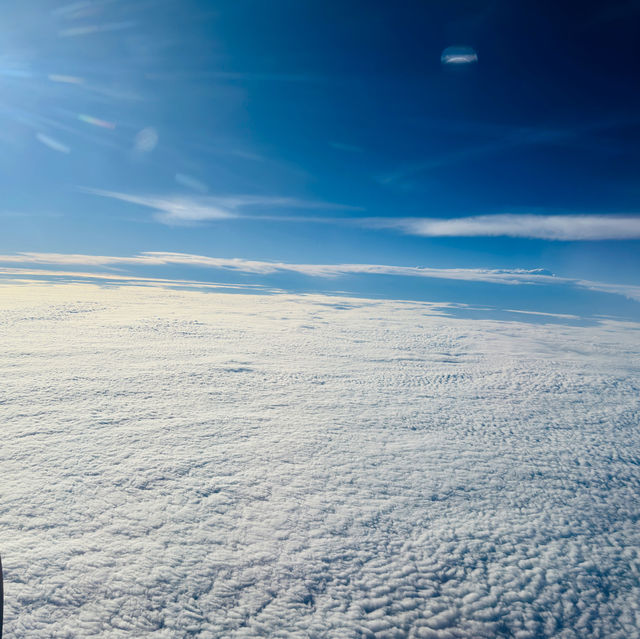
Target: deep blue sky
x=314 y=126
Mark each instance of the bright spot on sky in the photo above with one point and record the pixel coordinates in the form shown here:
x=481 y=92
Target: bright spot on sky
x=89 y=119
x=458 y=55
x=146 y=140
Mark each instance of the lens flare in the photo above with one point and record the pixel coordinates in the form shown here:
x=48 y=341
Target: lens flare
x=89 y=119
x=458 y=55
x=52 y=143
x=146 y=140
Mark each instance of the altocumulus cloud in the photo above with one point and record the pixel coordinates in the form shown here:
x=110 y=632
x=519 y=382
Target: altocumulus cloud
x=180 y=464
x=544 y=227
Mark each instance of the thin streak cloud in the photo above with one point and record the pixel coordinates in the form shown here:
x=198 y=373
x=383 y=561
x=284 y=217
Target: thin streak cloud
x=544 y=227
x=507 y=138
x=258 y=267
x=180 y=210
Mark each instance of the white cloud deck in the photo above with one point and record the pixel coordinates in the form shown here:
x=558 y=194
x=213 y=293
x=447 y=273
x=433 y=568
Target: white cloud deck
x=183 y=464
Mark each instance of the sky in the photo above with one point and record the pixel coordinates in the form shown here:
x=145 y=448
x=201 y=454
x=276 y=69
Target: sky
x=320 y=318
x=463 y=138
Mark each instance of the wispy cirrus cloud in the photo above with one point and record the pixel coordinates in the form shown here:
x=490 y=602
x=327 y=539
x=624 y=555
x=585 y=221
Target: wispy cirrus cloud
x=544 y=227
x=189 y=210
x=173 y=210
x=505 y=138
x=259 y=267
x=180 y=210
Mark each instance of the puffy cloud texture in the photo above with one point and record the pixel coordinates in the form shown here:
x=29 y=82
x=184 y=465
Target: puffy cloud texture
x=186 y=464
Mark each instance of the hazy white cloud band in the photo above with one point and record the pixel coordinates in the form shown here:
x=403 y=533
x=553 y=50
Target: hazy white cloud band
x=498 y=276
x=181 y=210
x=543 y=227
x=258 y=267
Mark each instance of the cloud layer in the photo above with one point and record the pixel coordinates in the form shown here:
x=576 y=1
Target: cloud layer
x=544 y=227
x=186 y=465
x=258 y=267
x=176 y=210
x=156 y=258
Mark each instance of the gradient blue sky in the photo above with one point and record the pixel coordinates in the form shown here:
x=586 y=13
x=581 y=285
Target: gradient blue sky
x=315 y=132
